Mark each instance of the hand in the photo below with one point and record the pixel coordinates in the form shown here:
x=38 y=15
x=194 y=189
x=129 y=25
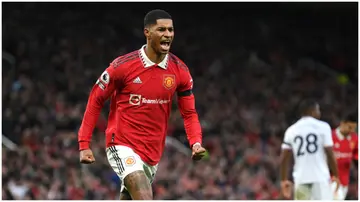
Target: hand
x=198 y=152
x=86 y=156
x=286 y=186
x=337 y=181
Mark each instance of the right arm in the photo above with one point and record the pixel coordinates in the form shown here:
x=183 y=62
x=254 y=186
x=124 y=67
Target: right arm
x=328 y=146
x=332 y=161
x=101 y=91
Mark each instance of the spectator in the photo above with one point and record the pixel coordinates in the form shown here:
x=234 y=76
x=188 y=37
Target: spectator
x=246 y=92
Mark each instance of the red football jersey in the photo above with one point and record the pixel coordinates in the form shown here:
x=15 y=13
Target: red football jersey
x=111 y=125
x=345 y=149
x=141 y=99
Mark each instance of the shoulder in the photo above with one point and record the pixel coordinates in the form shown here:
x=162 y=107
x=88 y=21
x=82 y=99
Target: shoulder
x=354 y=136
x=324 y=125
x=319 y=124
x=291 y=129
x=123 y=60
x=178 y=62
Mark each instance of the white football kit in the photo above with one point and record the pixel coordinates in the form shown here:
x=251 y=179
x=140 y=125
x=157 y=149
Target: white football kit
x=307 y=139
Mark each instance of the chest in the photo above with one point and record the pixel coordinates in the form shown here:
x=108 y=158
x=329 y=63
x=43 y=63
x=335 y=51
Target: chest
x=152 y=83
x=343 y=150
x=344 y=145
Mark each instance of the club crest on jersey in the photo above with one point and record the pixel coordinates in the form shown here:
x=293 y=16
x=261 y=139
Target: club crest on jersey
x=129 y=161
x=169 y=81
x=337 y=145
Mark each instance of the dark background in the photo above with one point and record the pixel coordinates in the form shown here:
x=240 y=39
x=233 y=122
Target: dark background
x=251 y=63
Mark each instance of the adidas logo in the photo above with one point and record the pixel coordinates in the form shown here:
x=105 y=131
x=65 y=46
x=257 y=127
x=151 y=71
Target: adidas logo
x=137 y=80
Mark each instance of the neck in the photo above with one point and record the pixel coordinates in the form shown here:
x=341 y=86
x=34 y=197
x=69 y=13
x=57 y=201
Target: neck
x=306 y=115
x=342 y=132
x=152 y=55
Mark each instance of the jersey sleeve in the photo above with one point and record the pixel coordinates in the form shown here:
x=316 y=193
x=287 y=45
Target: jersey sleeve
x=328 y=140
x=286 y=144
x=186 y=82
x=186 y=101
x=108 y=81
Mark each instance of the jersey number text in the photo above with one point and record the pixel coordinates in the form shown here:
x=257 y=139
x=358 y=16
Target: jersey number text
x=310 y=144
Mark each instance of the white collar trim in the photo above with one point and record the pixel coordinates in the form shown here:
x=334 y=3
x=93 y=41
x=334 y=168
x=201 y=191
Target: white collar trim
x=341 y=136
x=148 y=63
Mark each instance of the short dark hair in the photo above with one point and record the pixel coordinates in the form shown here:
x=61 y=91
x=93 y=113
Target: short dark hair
x=351 y=117
x=306 y=106
x=154 y=15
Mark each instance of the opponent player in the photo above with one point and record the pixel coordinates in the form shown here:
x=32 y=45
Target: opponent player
x=141 y=85
x=309 y=139
x=346 y=150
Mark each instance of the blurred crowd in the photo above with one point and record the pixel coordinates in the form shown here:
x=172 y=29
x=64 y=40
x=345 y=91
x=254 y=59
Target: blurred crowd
x=250 y=70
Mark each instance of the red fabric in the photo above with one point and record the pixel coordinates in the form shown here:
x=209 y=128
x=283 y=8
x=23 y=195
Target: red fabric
x=139 y=111
x=345 y=149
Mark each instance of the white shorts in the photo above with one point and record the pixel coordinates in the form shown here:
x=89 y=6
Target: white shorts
x=313 y=191
x=341 y=193
x=124 y=161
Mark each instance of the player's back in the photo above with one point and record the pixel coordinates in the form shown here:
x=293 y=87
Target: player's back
x=307 y=138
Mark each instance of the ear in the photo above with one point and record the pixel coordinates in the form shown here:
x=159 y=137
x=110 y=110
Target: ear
x=147 y=32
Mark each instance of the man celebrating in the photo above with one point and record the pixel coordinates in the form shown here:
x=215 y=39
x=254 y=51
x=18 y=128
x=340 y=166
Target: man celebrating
x=141 y=85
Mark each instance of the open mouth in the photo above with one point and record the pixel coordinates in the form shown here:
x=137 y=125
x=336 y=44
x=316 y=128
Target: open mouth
x=165 y=45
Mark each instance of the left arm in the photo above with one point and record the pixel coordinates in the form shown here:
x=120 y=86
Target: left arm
x=186 y=101
x=188 y=112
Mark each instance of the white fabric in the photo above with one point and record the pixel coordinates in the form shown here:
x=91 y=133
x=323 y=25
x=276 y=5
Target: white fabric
x=307 y=139
x=341 y=193
x=124 y=161
x=148 y=63
x=314 y=191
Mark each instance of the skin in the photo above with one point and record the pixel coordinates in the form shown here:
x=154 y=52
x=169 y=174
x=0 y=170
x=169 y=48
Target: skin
x=86 y=156
x=286 y=185
x=124 y=195
x=137 y=185
x=198 y=152
x=347 y=127
x=134 y=179
x=163 y=30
